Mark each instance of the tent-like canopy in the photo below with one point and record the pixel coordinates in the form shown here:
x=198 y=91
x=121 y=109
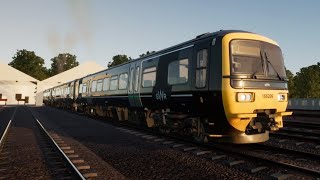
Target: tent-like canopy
x=8 y=73
x=16 y=86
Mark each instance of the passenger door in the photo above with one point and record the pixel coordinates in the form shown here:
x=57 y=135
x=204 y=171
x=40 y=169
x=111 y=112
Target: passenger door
x=134 y=85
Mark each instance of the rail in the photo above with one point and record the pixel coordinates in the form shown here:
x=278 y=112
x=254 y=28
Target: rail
x=60 y=150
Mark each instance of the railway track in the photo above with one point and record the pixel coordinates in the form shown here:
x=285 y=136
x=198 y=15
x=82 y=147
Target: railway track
x=305 y=113
x=60 y=161
x=81 y=170
x=302 y=124
x=307 y=135
x=258 y=153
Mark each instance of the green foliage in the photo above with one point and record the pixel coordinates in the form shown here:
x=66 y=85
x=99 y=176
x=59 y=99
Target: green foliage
x=291 y=86
x=29 y=63
x=119 y=59
x=307 y=82
x=63 y=62
x=147 y=53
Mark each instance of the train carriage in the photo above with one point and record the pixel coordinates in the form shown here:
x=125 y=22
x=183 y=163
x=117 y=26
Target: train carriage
x=228 y=86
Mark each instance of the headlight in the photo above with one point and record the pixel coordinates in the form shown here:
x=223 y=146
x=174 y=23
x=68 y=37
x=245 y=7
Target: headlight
x=244 y=97
x=281 y=97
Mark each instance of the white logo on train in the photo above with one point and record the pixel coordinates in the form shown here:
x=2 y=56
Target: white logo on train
x=161 y=95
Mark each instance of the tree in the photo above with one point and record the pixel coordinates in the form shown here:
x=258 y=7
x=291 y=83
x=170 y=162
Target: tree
x=63 y=62
x=291 y=87
x=119 y=59
x=306 y=82
x=29 y=63
x=147 y=53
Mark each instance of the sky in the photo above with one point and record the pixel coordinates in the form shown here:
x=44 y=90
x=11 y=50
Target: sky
x=96 y=30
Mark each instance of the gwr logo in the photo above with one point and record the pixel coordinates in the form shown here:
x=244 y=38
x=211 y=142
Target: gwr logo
x=161 y=95
x=267 y=95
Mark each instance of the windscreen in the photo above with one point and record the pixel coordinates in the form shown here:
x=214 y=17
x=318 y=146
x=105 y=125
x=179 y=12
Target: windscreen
x=256 y=58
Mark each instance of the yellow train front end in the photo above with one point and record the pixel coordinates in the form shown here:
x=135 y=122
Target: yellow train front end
x=254 y=86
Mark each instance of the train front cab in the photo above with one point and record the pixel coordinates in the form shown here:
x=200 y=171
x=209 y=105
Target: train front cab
x=254 y=88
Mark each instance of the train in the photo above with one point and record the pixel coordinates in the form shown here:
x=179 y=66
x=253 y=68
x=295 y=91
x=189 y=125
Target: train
x=226 y=86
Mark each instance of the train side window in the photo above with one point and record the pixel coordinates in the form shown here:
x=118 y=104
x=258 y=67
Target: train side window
x=106 y=84
x=149 y=77
x=99 y=85
x=201 y=70
x=178 y=72
x=114 y=83
x=137 y=79
x=94 y=86
x=84 y=88
x=123 y=81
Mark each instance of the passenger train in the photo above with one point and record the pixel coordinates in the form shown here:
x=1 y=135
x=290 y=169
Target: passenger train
x=227 y=86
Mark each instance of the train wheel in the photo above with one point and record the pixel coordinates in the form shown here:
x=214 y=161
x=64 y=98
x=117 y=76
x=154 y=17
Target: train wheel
x=198 y=131
x=164 y=130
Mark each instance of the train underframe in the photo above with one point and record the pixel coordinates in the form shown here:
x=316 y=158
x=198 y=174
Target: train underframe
x=186 y=124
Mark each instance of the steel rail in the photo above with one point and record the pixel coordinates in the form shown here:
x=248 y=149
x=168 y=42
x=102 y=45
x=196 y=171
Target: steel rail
x=297 y=137
x=299 y=153
x=57 y=146
x=4 y=135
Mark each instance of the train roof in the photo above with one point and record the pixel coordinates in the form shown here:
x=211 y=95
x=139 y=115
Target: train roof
x=197 y=38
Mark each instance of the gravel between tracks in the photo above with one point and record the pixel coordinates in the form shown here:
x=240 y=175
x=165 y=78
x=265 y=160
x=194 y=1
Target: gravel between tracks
x=131 y=156
x=25 y=160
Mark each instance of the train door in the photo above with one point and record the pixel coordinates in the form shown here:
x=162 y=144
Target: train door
x=202 y=99
x=201 y=64
x=76 y=89
x=134 y=87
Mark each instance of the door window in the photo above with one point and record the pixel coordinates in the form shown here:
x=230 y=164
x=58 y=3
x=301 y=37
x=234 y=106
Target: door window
x=137 y=79
x=201 y=70
x=131 y=80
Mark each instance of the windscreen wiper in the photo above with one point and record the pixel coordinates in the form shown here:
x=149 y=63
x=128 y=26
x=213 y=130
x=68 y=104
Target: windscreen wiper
x=278 y=75
x=253 y=75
